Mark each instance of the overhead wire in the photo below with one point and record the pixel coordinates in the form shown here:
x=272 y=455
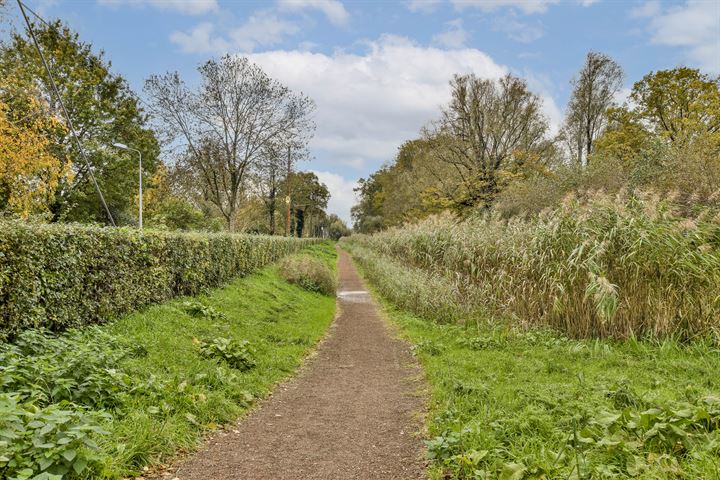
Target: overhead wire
x=55 y=89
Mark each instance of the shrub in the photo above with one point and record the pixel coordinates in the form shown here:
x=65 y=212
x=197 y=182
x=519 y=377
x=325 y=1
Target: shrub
x=61 y=275
x=309 y=273
x=237 y=354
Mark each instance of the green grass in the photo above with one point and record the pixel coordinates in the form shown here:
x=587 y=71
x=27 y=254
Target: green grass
x=520 y=399
x=176 y=393
x=519 y=404
x=281 y=321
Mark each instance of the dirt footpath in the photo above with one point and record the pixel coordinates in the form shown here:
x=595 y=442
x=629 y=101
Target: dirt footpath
x=352 y=413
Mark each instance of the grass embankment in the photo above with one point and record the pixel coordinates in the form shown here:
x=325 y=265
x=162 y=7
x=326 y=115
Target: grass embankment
x=513 y=403
x=155 y=381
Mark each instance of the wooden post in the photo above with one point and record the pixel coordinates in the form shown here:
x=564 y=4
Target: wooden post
x=287 y=196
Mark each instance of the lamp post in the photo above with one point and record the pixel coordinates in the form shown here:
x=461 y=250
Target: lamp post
x=122 y=146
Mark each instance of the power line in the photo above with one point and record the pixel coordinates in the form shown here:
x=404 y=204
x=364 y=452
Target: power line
x=62 y=105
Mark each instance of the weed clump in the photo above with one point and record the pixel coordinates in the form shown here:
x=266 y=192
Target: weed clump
x=237 y=354
x=200 y=310
x=309 y=273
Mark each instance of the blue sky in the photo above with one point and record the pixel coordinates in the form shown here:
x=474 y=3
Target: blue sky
x=378 y=70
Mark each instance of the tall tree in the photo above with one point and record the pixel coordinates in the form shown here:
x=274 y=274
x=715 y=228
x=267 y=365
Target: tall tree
x=594 y=91
x=309 y=200
x=102 y=108
x=488 y=131
x=678 y=104
x=29 y=173
x=226 y=127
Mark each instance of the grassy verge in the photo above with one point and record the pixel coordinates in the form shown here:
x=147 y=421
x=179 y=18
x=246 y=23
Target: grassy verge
x=163 y=377
x=520 y=404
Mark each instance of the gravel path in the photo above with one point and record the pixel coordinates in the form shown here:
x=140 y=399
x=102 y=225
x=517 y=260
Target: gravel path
x=352 y=413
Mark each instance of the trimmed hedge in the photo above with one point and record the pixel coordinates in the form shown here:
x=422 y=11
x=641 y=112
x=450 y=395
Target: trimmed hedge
x=62 y=275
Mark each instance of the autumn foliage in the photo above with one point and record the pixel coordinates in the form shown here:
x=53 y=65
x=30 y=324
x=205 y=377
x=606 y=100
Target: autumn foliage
x=29 y=173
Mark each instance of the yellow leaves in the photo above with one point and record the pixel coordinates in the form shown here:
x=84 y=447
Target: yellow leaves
x=29 y=173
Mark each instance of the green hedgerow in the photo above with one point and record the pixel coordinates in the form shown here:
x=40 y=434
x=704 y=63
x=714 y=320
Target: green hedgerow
x=63 y=275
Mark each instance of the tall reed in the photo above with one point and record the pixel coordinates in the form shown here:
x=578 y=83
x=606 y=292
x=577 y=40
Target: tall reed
x=610 y=266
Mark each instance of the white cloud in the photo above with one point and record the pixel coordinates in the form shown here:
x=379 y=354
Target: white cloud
x=526 y=6
x=190 y=7
x=454 y=37
x=694 y=26
x=519 y=31
x=200 y=39
x=650 y=8
x=334 y=10
x=369 y=103
x=342 y=196
x=423 y=6
x=543 y=85
x=261 y=29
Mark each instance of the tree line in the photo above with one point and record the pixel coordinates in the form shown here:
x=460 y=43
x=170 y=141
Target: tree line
x=491 y=147
x=223 y=155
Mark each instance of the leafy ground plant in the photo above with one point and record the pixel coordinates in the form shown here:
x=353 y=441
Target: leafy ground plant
x=507 y=406
x=46 y=443
x=237 y=354
x=199 y=309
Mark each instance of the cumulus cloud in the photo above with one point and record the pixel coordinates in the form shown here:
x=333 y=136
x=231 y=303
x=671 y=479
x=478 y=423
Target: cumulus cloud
x=454 y=37
x=370 y=102
x=201 y=39
x=334 y=10
x=261 y=29
x=342 y=196
x=694 y=26
x=189 y=7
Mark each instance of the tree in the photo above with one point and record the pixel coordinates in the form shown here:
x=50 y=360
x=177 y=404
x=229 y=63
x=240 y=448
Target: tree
x=164 y=209
x=367 y=213
x=309 y=199
x=594 y=91
x=103 y=111
x=29 y=173
x=678 y=104
x=226 y=128
x=336 y=227
x=489 y=130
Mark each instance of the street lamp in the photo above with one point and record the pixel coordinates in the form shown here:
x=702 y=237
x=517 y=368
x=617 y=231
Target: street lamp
x=122 y=146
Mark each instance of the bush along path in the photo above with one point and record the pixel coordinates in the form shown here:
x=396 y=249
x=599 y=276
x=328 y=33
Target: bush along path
x=353 y=413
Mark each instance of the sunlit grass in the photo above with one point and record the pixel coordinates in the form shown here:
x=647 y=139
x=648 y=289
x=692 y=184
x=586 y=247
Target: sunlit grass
x=281 y=321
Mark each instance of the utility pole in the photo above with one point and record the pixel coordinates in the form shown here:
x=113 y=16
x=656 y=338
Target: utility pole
x=287 y=196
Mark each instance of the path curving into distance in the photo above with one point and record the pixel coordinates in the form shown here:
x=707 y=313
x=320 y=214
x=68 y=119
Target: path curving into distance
x=352 y=413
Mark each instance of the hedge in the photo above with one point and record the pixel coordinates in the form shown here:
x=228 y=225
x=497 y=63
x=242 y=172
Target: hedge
x=59 y=276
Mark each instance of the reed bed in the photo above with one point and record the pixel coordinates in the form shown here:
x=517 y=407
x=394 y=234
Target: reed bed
x=609 y=266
